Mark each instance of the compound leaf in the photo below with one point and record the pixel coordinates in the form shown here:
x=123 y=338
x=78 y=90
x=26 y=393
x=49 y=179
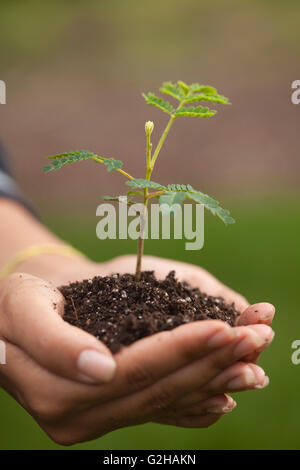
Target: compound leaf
x=184 y=87
x=80 y=153
x=206 y=97
x=154 y=100
x=142 y=184
x=202 y=198
x=209 y=203
x=199 y=111
x=135 y=193
x=121 y=199
x=212 y=205
x=169 y=88
x=112 y=164
x=171 y=197
x=208 y=90
x=180 y=187
x=110 y=198
x=62 y=159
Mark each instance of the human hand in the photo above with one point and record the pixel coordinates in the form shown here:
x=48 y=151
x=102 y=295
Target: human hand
x=258 y=313
x=74 y=396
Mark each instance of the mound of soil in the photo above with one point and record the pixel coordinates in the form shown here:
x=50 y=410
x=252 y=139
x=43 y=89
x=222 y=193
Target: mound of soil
x=119 y=310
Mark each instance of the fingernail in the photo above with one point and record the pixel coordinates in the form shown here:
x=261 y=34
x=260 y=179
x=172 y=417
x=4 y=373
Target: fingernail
x=222 y=409
x=264 y=385
x=269 y=340
x=96 y=366
x=247 y=379
x=268 y=316
x=221 y=338
x=248 y=345
x=263 y=331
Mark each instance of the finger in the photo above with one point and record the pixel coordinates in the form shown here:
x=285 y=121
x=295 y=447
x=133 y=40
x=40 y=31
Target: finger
x=201 y=372
x=262 y=312
x=152 y=358
x=269 y=335
x=238 y=377
x=220 y=404
x=147 y=404
x=31 y=311
x=200 y=404
x=40 y=392
x=201 y=421
x=151 y=402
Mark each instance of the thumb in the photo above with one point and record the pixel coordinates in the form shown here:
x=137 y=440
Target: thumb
x=31 y=318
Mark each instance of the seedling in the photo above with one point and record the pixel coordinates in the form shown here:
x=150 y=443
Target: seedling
x=185 y=95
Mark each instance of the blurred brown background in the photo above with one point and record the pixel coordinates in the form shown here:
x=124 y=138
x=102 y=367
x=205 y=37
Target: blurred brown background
x=75 y=72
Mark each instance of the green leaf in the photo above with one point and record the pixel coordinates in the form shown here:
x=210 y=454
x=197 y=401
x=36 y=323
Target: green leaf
x=169 y=88
x=202 y=198
x=192 y=193
x=171 y=197
x=135 y=193
x=206 y=97
x=141 y=183
x=62 y=159
x=184 y=87
x=112 y=164
x=153 y=100
x=223 y=214
x=121 y=199
x=209 y=203
x=198 y=111
x=212 y=205
x=65 y=158
x=208 y=90
x=180 y=187
x=110 y=198
x=74 y=153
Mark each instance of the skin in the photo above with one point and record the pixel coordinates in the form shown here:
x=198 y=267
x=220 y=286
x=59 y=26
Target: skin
x=179 y=377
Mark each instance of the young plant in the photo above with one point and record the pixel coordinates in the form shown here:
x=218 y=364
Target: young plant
x=185 y=95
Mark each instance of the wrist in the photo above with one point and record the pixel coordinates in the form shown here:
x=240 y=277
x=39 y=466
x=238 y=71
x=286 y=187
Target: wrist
x=48 y=265
x=48 y=261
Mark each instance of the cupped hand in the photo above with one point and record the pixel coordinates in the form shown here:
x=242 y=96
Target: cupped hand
x=255 y=314
x=76 y=390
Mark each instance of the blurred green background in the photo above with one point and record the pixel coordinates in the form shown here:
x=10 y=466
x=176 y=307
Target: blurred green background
x=74 y=74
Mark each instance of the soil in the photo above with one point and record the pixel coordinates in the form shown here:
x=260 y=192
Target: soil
x=119 y=310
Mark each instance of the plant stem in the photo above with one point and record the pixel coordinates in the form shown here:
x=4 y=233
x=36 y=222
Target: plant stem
x=150 y=165
x=164 y=135
x=125 y=174
x=156 y=194
x=140 y=249
x=98 y=160
x=161 y=140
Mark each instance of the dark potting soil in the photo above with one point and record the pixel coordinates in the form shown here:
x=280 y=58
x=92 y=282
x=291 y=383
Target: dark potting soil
x=119 y=310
